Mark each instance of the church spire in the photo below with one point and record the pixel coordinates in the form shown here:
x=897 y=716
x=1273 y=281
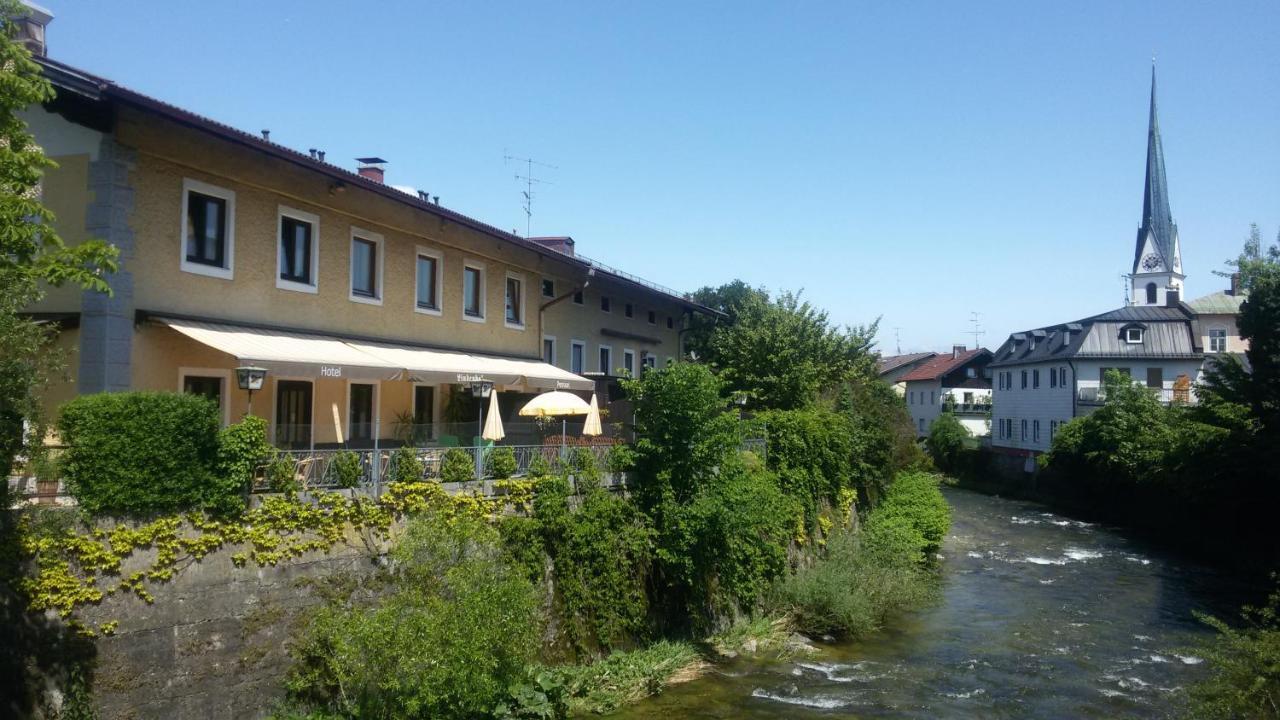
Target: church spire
x=1157 y=220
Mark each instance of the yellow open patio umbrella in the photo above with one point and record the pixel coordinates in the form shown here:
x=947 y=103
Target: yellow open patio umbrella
x=493 y=423
x=592 y=426
x=556 y=403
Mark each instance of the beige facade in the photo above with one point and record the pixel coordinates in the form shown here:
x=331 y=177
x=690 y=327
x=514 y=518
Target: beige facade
x=137 y=180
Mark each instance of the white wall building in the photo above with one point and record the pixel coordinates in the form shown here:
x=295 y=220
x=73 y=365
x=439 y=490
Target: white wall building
x=959 y=380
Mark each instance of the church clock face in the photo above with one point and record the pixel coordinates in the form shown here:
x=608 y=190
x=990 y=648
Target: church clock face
x=1151 y=262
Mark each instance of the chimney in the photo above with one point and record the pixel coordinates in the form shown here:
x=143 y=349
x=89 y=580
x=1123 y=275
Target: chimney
x=372 y=168
x=1171 y=297
x=424 y=196
x=1235 y=283
x=30 y=28
x=320 y=155
x=957 y=351
x=562 y=243
x=266 y=134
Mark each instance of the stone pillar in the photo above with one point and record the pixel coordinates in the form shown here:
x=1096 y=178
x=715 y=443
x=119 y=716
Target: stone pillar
x=106 y=321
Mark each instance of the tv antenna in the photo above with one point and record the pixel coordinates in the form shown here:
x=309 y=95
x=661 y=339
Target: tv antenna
x=529 y=182
x=1126 y=278
x=897 y=340
x=977 y=332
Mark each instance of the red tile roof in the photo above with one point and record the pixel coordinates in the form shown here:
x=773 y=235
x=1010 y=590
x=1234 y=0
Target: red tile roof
x=942 y=364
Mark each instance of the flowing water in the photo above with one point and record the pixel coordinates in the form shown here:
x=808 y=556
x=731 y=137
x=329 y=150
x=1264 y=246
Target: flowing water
x=1041 y=616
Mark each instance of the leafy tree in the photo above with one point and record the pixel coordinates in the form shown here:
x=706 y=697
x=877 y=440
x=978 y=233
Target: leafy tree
x=32 y=255
x=1245 y=667
x=728 y=299
x=1260 y=325
x=782 y=353
x=946 y=441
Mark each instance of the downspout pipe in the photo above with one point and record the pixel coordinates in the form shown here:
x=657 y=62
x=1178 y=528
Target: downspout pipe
x=591 y=273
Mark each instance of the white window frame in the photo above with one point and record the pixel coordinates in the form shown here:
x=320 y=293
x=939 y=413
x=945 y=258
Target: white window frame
x=224 y=374
x=1212 y=330
x=1128 y=336
x=484 y=282
x=629 y=367
x=377 y=401
x=438 y=256
x=554 y=349
x=379 y=254
x=518 y=277
x=604 y=370
x=229 y=255
x=578 y=344
x=284 y=211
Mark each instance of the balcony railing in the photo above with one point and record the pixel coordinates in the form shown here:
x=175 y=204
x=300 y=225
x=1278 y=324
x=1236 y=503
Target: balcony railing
x=971 y=408
x=1098 y=395
x=463 y=434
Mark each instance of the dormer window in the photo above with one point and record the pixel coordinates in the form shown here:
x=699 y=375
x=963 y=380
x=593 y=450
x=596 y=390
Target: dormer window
x=1133 y=335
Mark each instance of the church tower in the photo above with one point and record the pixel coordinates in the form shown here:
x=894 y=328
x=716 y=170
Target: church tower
x=1157 y=259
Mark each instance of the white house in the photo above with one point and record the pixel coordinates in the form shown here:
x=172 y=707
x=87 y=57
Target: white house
x=958 y=380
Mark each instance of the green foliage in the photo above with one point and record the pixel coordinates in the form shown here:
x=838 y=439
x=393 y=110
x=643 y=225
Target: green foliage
x=1245 y=667
x=539 y=466
x=946 y=441
x=914 y=497
x=625 y=677
x=242 y=449
x=781 y=353
x=458 y=466
x=449 y=639
x=502 y=463
x=32 y=255
x=405 y=466
x=811 y=452
x=345 y=469
x=141 y=452
x=621 y=458
x=542 y=697
x=865 y=577
x=883 y=437
x=282 y=475
x=522 y=541
x=583 y=467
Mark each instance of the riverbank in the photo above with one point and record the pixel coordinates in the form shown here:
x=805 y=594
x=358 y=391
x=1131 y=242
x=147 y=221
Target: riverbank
x=1041 y=615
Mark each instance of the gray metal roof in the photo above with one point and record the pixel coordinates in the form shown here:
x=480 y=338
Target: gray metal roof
x=1167 y=335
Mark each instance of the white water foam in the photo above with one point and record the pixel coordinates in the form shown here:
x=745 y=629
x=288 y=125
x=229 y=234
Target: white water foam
x=976 y=555
x=1135 y=559
x=1189 y=659
x=966 y=695
x=1045 y=561
x=824 y=703
x=1076 y=553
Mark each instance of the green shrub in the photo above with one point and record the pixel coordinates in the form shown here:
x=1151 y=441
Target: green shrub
x=242 y=449
x=946 y=441
x=625 y=677
x=542 y=696
x=405 y=466
x=915 y=498
x=539 y=466
x=1245 y=667
x=138 y=453
x=282 y=474
x=455 y=631
x=345 y=469
x=811 y=451
x=458 y=466
x=621 y=458
x=502 y=463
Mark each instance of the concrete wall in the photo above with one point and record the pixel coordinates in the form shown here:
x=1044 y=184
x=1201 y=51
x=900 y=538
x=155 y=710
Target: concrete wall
x=1202 y=324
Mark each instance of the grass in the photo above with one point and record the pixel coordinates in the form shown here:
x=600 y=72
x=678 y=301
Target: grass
x=765 y=635
x=628 y=676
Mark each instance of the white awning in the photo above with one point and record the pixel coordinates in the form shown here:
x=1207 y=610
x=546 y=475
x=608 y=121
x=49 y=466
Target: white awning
x=294 y=354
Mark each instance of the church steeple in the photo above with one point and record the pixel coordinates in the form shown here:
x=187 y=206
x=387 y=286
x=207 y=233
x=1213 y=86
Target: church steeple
x=1157 y=257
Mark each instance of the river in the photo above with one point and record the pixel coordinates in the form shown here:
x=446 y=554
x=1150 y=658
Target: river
x=1040 y=616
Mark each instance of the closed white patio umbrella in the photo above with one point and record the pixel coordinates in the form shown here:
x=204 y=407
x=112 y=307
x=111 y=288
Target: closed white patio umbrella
x=493 y=423
x=592 y=426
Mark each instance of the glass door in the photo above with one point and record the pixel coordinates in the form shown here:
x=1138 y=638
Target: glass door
x=293 y=414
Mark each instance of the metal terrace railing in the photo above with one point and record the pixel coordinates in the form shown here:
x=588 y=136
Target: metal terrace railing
x=1098 y=395
x=971 y=408
x=633 y=278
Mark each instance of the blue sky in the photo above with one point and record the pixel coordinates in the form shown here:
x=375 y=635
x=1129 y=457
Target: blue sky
x=911 y=161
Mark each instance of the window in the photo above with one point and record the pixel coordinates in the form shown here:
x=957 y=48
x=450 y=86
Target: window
x=473 y=292
x=549 y=350
x=933 y=397
x=968 y=398
x=1024 y=379
x=921 y=424
x=1053 y=429
x=515 y=302
x=628 y=310
x=604 y=303
x=649 y=362
x=606 y=359
x=1062 y=376
x=1053 y=377
x=293 y=414
x=653 y=318
x=208 y=229
x=577 y=349
x=913 y=397
x=1151 y=293
x=360 y=406
x=1217 y=340
x=548 y=288
x=366 y=267
x=299 y=254
x=1155 y=378
x=577 y=297
x=1133 y=335
x=671 y=323
x=211 y=384
x=971 y=372
x=1024 y=430
x=427 y=282
x=629 y=362
x=1035 y=378
x=1035 y=430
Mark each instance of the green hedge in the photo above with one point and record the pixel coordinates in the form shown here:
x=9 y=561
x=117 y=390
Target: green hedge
x=138 y=453
x=915 y=498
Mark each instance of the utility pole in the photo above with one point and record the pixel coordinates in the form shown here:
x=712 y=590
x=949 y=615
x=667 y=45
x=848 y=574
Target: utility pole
x=529 y=182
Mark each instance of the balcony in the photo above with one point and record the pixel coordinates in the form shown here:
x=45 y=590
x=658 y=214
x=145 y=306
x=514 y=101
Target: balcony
x=1166 y=396
x=982 y=408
